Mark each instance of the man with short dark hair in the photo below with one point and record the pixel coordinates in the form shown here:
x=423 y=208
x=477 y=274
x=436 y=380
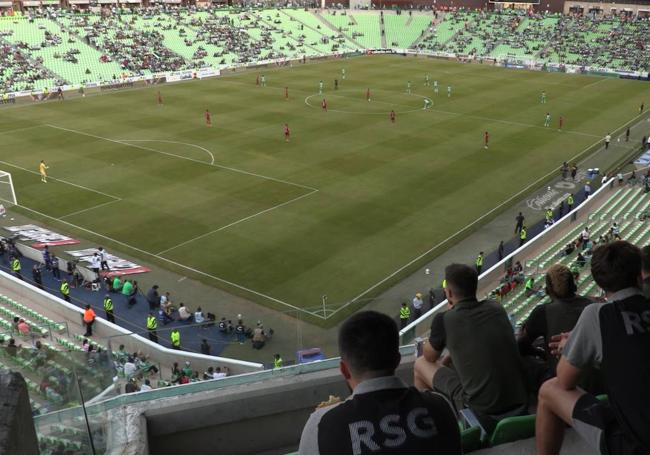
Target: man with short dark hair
x=487 y=374
x=153 y=297
x=615 y=336
x=382 y=415
x=645 y=270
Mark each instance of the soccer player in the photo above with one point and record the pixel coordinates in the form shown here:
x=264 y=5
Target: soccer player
x=368 y=94
x=208 y=118
x=435 y=87
x=343 y=74
x=448 y=91
x=160 y=100
x=486 y=139
x=408 y=87
x=336 y=84
x=392 y=116
x=286 y=93
x=324 y=105
x=561 y=123
x=427 y=103
x=641 y=108
x=263 y=80
x=42 y=169
x=287 y=132
x=547 y=119
x=320 y=88
x=426 y=80
x=257 y=80
x=543 y=98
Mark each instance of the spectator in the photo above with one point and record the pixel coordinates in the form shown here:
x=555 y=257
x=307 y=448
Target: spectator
x=131 y=386
x=183 y=313
x=556 y=317
x=240 y=330
x=198 y=316
x=153 y=297
x=129 y=367
x=146 y=386
x=487 y=374
x=37 y=276
x=23 y=328
x=614 y=336
x=205 y=347
x=259 y=337
x=417 y=306
x=369 y=349
x=645 y=270
x=89 y=320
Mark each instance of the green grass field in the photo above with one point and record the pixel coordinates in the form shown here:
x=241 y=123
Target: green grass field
x=349 y=201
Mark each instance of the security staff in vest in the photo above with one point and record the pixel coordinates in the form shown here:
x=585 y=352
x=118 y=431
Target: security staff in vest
x=108 y=308
x=277 y=361
x=15 y=267
x=522 y=236
x=152 y=325
x=383 y=414
x=65 y=290
x=404 y=315
x=479 y=262
x=175 y=337
x=569 y=203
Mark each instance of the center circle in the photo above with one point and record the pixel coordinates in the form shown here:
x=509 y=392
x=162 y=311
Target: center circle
x=359 y=98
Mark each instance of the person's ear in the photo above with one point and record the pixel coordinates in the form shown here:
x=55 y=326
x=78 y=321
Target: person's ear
x=345 y=370
x=449 y=295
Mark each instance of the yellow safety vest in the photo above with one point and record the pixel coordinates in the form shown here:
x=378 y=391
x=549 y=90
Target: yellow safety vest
x=108 y=305
x=277 y=363
x=404 y=312
x=176 y=338
x=15 y=265
x=152 y=323
x=479 y=261
x=522 y=236
x=569 y=200
x=444 y=284
x=65 y=288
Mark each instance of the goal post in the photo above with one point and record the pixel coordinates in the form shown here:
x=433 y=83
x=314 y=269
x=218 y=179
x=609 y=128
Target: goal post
x=7 y=191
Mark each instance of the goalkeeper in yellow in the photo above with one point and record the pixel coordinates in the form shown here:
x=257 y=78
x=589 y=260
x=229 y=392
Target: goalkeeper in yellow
x=42 y=169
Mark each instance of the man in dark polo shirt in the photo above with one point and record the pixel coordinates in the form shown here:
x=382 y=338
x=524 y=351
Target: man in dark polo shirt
x=383 y=415
x=483 y=370
x=615 y=336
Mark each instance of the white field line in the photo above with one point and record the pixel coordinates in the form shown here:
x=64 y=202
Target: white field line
x=174 y=142
x=595 y=82
x=89 y=208
x=240 y=171
x=238 y=221
x=15 y=130
x=64 y=181
x=185 y=267
x=488 y=213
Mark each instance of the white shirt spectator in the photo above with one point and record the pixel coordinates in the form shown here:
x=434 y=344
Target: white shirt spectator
x=102 y=255
x=219 y=375
x=95 y=262
x=129 y=368
x=417 y=302
x=144 y=388
x=183 y=314
x=198 y=317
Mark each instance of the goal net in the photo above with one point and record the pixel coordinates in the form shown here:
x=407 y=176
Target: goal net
x=7 y=192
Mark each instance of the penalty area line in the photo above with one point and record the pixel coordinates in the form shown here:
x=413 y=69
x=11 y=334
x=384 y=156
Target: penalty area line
x=261 y=212
x=174 y=263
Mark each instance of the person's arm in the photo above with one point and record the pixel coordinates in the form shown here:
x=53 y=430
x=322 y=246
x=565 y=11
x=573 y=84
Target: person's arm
x=432 y=349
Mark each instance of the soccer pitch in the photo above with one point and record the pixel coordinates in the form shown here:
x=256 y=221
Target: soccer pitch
x=337 y=211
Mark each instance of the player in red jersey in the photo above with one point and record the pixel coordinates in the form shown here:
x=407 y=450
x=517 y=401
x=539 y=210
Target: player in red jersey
x=487 y=139
x=287 y=132
x=392 y=116
x=286 y=93
x=561 y=123
x=368 y=94
x=323 y=104
x=160 y=100
x=208 y=118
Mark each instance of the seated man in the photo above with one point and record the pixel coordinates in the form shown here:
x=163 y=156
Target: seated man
x=614 y=335
x=553 y=318
x=382 y=415
x=487 y=374
x=183 y=313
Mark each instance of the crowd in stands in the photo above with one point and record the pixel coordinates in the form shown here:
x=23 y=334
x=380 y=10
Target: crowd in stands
x=595 y=41
x=17 y=70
